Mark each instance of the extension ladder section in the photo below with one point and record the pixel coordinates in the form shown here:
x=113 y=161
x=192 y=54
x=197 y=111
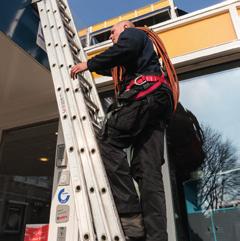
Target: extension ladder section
x=89 y=205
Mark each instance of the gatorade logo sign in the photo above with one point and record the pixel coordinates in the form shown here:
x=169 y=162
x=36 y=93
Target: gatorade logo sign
x=63 y=196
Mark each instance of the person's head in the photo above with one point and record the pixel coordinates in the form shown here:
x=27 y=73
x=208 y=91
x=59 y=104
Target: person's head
x=118 y=28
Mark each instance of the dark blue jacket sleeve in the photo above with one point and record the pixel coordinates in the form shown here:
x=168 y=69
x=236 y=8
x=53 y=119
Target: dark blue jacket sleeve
x=127 y=49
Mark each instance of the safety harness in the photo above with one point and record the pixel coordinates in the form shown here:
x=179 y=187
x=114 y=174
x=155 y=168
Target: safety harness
x=149 y=83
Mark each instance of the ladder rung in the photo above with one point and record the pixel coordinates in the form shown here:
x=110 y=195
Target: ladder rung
x=82 y=79
x=65 y=16
x=76 y=59
x=85 y=89
x=95 y=124
x=91 y=105
x=69 y=29
x=71 y=41
x=74 y=50
x=66 y=22
x=70 y=34
x=94 y=117
x=61 y=3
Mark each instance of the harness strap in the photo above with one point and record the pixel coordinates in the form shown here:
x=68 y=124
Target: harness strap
x=143 y=79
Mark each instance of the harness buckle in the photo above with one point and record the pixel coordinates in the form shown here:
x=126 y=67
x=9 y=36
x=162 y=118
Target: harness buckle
x=137 y=78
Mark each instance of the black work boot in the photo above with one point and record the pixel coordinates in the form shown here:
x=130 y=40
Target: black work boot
x=143 y=238
x=133 y=227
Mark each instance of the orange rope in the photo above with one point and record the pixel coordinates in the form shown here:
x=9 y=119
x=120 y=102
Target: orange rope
x=117 y=77
x=162 y=53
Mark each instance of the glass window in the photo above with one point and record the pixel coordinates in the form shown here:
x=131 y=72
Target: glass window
x=204 y=148
x=26 y=173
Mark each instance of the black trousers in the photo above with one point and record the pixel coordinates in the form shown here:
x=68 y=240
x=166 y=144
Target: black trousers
x=139 y=124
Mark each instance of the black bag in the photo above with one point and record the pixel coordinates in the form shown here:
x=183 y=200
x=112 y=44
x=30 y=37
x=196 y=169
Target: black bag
x=185 y=140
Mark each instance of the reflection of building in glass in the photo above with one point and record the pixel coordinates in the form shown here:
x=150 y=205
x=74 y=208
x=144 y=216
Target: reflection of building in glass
x=204 y=171
x=220 y=192
x=212 y=194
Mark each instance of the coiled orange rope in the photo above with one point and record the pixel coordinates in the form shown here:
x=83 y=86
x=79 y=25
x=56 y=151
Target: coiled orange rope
x=162 y=53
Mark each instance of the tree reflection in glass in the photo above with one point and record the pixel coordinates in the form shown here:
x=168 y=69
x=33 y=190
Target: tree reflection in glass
x=220 y=178
x=204 y=158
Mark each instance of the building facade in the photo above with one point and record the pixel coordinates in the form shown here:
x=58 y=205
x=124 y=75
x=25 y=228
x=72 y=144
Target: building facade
x=201 y=173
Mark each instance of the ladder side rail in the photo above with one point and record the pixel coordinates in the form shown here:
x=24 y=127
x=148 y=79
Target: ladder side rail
x=81 y=140
x=62 y=216
x=83 y=57
x=99 y=169
x=81 y=102
x=81 y=197
x=89 y=170
x=98 y=166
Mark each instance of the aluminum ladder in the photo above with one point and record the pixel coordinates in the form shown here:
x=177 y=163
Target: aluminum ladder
x=82 y=204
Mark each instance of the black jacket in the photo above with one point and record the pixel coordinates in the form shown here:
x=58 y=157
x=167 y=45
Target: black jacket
x=134 y=51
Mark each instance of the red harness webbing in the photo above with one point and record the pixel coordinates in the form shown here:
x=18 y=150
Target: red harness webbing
x=142 y=79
